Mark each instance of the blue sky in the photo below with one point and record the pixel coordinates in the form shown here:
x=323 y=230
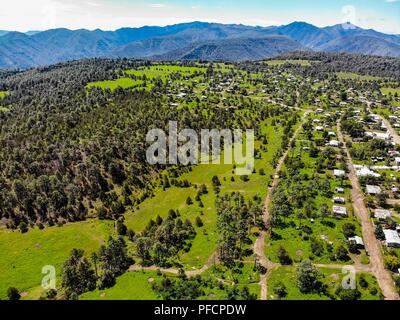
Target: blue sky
x=22 y=15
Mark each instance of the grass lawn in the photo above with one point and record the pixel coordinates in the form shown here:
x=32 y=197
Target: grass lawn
x=130 y=286
x=4 y=109
x=114 y=84
x=355 y=76
x=388 y=91
x=3 y=94
x=333 y=278
x=22 y=256
x=164 y=71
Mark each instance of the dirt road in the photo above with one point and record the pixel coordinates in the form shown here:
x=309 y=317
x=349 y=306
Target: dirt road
x=259 y=246
x=371 y=243
x=392 y=131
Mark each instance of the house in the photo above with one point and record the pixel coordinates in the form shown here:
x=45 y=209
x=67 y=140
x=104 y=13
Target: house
x=339 y=173
x=339 y=200
x=382 y=214
x=358 y=241
x=366 y=172
x=340 y=211
x=339 y=190
x=397 y=161
x=319 y=128
x=392 y=238
x=373 y=190
x=331 y=134
x=334 y=143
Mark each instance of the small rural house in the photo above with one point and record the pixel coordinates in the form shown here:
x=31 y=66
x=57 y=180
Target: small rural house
x=392 y=238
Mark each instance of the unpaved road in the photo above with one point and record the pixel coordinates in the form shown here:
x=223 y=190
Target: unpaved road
x=392 y=131
x=371 y=243
x=259 y=246
x=192 y=273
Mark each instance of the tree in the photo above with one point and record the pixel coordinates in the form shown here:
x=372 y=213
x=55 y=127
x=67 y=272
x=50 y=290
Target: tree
x=114 y=256
x=13 y=294
x=309 y=278
x=23 y=227
x=381 y=199
x=317 y=247
x=280 y=290
x=392 y=262
x=189 y=201
x=284 y=257
x=199 y=222
x=342 y=253
x=77 y=275
x=380 y=235
x=324 y=211
x=349 y=230
x=121 y=228
x=348 y=294
x=216 y=182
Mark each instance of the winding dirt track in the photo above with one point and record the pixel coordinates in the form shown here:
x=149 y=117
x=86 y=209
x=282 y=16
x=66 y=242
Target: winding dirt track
x=371 y=243
x=259 y=246
x=392 y=131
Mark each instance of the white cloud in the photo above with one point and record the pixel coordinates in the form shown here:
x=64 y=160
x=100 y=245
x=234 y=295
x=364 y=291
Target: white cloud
x=157 y=5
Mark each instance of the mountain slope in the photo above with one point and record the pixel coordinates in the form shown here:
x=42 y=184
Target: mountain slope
x=306 y=34
x=195 y=39
x=237 y=49
x=362 y=44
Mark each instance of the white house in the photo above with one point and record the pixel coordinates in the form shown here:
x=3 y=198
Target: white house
x=392 y=238
x=358 y=241
x=340 y=211
x=339 y=190
x=339 y=200
x=373 y=190
x=334 y=143
x=339 y=173
x=382 y=214
x=366 y=172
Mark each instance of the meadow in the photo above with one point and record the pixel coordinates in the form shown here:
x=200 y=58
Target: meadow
x=332 y=278
x=355 y=76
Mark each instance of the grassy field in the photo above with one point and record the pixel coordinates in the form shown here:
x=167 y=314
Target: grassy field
x=163 y=72
x=3 y=94
x=114 y=84
x=22 y=256
x=388 y=91
x=355 y=76
x=333 y=278
x=130 y=286
x=175 y=198
x=303 y=63
x=4 y=109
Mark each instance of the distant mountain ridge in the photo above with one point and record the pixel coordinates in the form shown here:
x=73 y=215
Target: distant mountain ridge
x=195 y=40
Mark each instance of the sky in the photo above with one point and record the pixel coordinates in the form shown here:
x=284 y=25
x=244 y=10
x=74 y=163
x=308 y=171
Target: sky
x=28 y=15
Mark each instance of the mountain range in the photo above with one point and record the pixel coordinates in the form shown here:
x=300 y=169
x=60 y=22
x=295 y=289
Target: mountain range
x=191 y=41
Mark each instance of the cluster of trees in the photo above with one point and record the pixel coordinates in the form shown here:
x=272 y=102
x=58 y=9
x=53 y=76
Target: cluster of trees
x=235 y=220
x=162 y=240
x=184 y=288
x=344 y=62
x=79 y=275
